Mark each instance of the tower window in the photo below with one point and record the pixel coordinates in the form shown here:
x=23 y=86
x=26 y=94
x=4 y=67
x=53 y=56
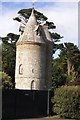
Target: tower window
x=20 y=69
x=32 y=70
x=38 y=32
x=37 y=29
x=32 y=85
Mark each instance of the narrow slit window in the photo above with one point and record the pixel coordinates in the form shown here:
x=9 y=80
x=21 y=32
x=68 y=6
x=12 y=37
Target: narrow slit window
x=32 y=70
x=20 y=69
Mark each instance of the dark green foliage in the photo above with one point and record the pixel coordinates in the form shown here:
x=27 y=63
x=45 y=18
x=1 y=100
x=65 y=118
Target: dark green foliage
x=27 y=12
x=51 y=25
x=9 y=54
x=10 y=38
x=18 y=19
x=6 y=81
x=8 y=59
x=66 y=102
x=66 y=68
x=13 y=37
x=71 y=54
x=56 y=37
x=59 y=77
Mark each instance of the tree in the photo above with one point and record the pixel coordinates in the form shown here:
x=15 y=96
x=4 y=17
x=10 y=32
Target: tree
x=59 y=76
x=70 y=53
x=24 y=15
x=9 y=54
x=66 y=68
x=6 y=81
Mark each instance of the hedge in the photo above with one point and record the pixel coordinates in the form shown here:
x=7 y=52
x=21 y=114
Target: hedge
x=66 y=102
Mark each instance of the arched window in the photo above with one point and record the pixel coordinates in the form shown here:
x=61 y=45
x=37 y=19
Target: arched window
x=20 y=69
x=32 y=85
x=32 y=70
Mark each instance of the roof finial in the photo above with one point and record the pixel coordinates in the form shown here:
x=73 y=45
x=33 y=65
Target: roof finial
x=33 y=2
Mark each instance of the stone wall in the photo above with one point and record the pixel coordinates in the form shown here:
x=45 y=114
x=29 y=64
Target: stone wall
x=32 y=60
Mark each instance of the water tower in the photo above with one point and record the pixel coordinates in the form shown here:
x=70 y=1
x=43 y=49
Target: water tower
x=33 y=57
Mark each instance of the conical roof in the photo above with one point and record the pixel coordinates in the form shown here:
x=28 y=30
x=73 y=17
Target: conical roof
x=32 y=32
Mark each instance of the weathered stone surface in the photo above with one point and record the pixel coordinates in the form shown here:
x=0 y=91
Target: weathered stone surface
x=33 y=60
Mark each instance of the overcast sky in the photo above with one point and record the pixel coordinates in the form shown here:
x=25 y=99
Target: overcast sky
x=63 y=14
x=40 y=0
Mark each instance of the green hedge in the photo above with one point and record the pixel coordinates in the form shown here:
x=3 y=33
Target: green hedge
x=66 y=102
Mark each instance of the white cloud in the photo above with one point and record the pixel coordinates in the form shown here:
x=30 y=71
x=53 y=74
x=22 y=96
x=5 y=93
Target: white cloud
x=8 y=25
x=65 y=17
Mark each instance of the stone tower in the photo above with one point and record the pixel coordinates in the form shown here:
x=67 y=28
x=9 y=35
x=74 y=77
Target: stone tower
x=33 y=57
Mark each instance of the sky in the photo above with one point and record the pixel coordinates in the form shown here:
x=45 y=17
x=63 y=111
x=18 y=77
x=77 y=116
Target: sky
x=40 y=0
x=63 y=14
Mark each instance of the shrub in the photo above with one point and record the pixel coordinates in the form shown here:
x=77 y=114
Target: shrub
x=66 y=102
x=5 y=81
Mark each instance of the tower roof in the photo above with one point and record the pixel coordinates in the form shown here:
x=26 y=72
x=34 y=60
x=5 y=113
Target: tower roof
x=32 y=32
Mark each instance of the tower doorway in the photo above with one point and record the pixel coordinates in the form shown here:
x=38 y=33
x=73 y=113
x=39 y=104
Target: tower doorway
x=33 y=85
